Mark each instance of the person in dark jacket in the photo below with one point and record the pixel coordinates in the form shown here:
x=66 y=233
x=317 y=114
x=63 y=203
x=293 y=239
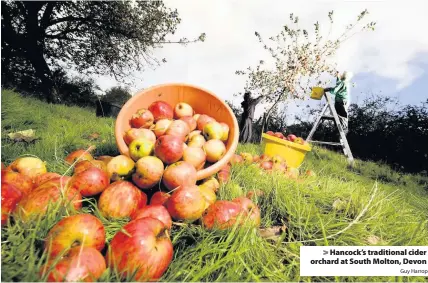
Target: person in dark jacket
x=246 y=126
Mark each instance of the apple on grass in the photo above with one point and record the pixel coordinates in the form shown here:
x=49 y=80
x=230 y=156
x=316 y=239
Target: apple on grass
x=28 y=166
x=256 y=158
x=142 y=119
x=120 y=167
x=179 y=174
x=43 y=178
x=86 y=164
x=190 y=122
x=141 y=248
x=266 y=165
x=80 y=154
x=182 y=109
x=90 y=182
x=121 y=199
x=10 y=196
x=248 y=157
x=148 y=172
x=187 y=203
x=160 y=127
x=179 y=129
x=195 y=156
x=169 y=149
x=158 y=212
x=77 y=230
x=213 y=131
x=20 y=181
x=159 y=198
x=140 y=147
x=221 y=215
x=133 y=133
x=236 y=159
x=215 y=150
x=161 y=110
x=251 y=212
x=105 y=158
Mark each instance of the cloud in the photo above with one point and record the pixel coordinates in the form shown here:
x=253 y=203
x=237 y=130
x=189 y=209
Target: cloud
x=231 y=44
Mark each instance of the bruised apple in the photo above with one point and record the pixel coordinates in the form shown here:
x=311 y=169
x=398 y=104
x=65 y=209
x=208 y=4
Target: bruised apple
x=10 y=196
x=187 y=203
x=159 y=198
x=181 y=173
x=161 y=110
x=148 y=172
x=90 y=182
x=20 y=181
x=195 y=156
x=169 y=148
x=157 y=211
x=142 y=119
x=161 y=126
x=133 y=134
x=214 y=149
x=121 y=199
x=28 y=166
x=120 y=167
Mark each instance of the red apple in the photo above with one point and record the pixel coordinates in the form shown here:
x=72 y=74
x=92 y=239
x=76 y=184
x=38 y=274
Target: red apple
x=10 y=196
x=133 y=134
x=182 y=109
x=279 y=135
x=161 y=126
x=251 y=211
x=54 y=192
x=121 y=199
x=291 y=137
x=90 y=182
x=159 y=198
x=256 y=158
x=77 y=230
x=158 y=212
x=179 y=129
x=236 y=159
x=28 y=166
x=18 y=180
x=120 y=167
x=148 y=172
x=195 y=156
x=214 y=149
x=266 y=165
x=161 y=110
x=142 y=119
x=179 y=174
x=86 y=164
x=203 y=120
x=187 y=203
x=190 y=122
x=264 y=157
x=169 y=149
x=143 y=248
x=43 y=178
x=80 y=155
x=270 y=133
x=80 y=264
x=105 y=158
x=221 y=215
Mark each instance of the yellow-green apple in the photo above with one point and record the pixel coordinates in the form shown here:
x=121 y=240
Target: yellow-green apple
x=179 y=129
x=266 y=165
x=214 y=149
x=161 y=126
x=142 y=248
x=161 y=110
x=10 y=196
x=169 y=149
x=251 y=212
x=18 y=180
x=187 y=203
x=80 y=264
x=121 y=199
x=86 y=164
x=195 y=156
x=225 y=135
x=299 y=140
x=196 y=141
x=221 y=215
x=157 y=211
x=190 y=122
x=28 y=166
x=148 y=172
x=105 y=158
x=133 y=134
x=203 y=120
x=179 y=174
x=248 y=157
x=193 y=133
x=76 y=230
x=211 y=183
x=196 y=117
x=291 y=137
x=120 y=167
x=45 y=177
x=213 y=131
x=182 y=109
x=159 y=198
x=209 y=195
x=142 y=119
x=80 y=154
x=236 y=159
x=140 y=147
x=90 y=182
x=53 y=192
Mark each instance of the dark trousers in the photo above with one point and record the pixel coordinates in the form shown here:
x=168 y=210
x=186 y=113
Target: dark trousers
x=342 y=111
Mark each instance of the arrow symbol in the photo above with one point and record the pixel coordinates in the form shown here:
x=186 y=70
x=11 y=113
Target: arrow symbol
x=324 y=252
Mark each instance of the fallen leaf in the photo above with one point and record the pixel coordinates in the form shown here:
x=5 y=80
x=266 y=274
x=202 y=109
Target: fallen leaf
x=27 y=136
x=272 y=232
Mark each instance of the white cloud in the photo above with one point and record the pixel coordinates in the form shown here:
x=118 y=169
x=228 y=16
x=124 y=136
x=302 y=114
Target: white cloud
x=231 y=44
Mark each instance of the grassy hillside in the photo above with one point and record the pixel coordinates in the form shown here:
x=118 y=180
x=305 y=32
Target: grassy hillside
x=369 y=205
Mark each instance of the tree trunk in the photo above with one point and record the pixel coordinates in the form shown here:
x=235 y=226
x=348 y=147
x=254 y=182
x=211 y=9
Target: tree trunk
x=267 y=115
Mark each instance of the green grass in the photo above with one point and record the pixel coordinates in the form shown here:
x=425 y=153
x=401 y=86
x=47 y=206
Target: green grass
x=368 y=205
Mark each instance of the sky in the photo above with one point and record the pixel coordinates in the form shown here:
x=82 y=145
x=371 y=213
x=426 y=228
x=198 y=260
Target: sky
x=392 y=60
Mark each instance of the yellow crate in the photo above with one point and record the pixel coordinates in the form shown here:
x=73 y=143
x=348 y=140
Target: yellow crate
x=317 y=93
x=293 y=153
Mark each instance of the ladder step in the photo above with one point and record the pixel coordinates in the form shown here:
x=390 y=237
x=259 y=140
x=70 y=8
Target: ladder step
x=327 y=117
x=329 y=143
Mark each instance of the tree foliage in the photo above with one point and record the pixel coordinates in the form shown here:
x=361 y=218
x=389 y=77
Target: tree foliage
x=298 y=58
x=117 y=95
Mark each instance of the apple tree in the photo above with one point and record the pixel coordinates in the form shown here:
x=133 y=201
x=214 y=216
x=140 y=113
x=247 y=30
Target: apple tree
x=298 y=59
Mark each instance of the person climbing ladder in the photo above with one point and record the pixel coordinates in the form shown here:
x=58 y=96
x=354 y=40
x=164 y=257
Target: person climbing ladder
x=246 y=125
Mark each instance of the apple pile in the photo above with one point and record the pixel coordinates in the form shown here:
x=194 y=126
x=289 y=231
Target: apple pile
x=290 y=137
